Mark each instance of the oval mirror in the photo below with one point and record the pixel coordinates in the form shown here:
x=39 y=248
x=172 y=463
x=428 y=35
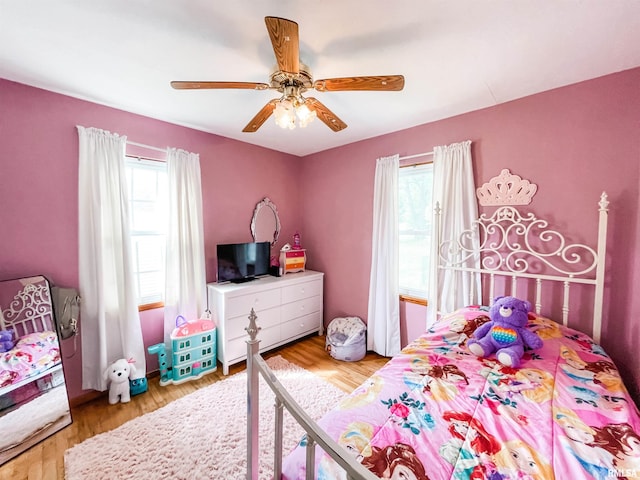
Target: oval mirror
x=265 y=224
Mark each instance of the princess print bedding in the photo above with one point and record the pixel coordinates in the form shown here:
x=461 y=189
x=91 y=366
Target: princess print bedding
x=435 y=411
x=33 y=354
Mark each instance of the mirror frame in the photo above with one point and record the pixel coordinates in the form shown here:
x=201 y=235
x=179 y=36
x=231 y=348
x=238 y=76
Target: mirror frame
x=28 y=309
x=265 y=203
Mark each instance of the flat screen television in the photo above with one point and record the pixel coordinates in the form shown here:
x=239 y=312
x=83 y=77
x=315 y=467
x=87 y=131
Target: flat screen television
x=241 y=262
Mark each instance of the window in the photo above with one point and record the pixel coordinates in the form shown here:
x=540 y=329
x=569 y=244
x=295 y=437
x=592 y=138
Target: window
x=147 y=186
x=415 y=185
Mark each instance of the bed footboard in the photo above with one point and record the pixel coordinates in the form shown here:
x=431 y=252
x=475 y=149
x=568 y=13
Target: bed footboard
x=257 y=367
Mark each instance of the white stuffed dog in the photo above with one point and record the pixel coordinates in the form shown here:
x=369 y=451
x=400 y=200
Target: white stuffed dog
x=119 y=374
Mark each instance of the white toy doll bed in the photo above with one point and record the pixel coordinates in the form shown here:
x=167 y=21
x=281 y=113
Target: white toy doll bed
x=436 y=411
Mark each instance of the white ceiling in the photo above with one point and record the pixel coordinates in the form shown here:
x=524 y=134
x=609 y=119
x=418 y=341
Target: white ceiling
x=456 y=56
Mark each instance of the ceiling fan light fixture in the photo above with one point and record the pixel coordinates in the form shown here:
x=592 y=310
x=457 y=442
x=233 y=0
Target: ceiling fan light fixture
x=285 y=114
x=305 y=115
x=288 y=109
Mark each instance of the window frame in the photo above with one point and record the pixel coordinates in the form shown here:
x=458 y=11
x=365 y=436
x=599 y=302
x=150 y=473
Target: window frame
x=415 y=295
x=133 y=161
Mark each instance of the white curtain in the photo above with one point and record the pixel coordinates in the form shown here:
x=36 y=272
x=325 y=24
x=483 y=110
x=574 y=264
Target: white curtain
x=454 y=189
x=383 y=322
x=185 y=282
x=110 y=322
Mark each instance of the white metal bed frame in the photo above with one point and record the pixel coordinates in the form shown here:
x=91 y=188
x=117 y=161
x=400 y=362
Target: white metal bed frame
x=30 y=311
x=256 y=366
x=509 y=244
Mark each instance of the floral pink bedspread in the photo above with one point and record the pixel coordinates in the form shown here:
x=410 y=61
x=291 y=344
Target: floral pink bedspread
x=436 y=411
x=33 y=354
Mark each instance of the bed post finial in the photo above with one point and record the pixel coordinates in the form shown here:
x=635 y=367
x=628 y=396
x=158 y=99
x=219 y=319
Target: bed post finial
x=604 y=202
x=253 y=328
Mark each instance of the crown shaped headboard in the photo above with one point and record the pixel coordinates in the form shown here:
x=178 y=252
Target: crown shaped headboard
x=506 y=189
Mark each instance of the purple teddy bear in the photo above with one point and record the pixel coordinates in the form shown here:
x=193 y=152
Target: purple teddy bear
x=506 y=333
x=6 y=340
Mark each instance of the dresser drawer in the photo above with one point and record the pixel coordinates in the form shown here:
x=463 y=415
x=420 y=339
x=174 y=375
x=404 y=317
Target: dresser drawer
x=299 y=291
x=300 y=308
x=294 y=254
x=243 y=304
x=294 y=263
x=237 y=348
x=235 y=327
x=294 y=267
x=299 y=326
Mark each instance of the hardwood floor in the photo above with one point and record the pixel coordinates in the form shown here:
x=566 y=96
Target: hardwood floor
x=45 y=461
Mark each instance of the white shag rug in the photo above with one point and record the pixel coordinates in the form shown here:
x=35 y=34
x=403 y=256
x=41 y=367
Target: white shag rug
x=201 y=435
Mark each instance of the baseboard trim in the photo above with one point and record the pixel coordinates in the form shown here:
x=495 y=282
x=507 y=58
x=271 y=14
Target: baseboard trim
x=94 y=394
x=86 y=398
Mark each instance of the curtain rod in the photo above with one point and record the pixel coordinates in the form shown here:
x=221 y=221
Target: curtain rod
x=146 y=146
x=417 y=155
x=140 y=157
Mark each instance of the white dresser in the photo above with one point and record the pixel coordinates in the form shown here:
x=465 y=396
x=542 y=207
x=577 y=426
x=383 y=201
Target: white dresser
x=287 y=307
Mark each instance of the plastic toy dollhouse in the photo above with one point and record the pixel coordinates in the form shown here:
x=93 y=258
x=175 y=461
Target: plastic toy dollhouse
x=193 y=347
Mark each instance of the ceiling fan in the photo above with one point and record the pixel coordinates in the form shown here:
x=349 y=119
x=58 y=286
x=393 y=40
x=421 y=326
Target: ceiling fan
x=292 y=78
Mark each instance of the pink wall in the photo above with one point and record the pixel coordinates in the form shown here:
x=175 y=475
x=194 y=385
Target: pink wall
x=39 y=178
x=574 y=142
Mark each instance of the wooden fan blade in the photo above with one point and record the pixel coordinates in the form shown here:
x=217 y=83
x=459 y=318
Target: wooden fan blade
x=213 y=85
x=326 y=115
x=257 y=121
x=376 y=83
x=285 y=41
